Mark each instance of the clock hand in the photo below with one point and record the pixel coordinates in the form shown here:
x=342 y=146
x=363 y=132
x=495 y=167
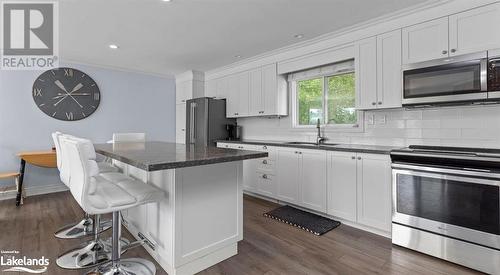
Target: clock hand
x=60 y=85
x=77 y=87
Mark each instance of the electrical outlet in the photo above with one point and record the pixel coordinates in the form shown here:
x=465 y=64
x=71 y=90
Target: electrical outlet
x=371 y=119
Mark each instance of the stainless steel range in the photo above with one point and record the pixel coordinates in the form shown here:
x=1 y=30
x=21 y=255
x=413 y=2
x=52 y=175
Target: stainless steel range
x=446 y=203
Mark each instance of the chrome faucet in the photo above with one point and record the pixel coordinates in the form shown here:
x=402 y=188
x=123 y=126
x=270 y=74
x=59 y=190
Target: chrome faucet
x=319 y=138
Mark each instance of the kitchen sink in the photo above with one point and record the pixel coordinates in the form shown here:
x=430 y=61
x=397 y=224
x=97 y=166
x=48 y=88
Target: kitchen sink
x=300 y=143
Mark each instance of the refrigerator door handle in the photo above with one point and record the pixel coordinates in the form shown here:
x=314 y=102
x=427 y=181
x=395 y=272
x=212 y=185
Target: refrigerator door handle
x=192 y=110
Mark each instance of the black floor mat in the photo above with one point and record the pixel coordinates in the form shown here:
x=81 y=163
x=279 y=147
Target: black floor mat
x=309 y=222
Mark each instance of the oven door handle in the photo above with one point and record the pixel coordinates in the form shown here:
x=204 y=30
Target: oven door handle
x=484 y=74
x=468 y=173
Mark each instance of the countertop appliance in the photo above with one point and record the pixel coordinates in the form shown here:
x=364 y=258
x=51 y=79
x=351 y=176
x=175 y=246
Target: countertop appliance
x=460 y=79
x=234 y=131
x=446 y=203
x=206 y=121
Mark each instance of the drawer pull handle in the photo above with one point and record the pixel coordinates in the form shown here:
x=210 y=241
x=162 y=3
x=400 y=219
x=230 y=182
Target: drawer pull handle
x=359 y=158
x=353 y=157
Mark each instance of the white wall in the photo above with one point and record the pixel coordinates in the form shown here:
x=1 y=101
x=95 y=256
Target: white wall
x=475 y=126
x=130 y=102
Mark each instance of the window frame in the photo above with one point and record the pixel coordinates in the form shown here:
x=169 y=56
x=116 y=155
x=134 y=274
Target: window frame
x=357 y=127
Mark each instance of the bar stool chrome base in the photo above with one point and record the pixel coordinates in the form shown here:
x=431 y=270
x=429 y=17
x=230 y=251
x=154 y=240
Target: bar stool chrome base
x=129 y=266
x=88 y=255
x=81 y=229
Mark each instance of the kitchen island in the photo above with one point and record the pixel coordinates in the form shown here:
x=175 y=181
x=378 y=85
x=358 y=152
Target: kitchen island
x=201 y=220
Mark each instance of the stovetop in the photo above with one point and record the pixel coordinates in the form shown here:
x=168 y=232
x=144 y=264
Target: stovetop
x=448 y=150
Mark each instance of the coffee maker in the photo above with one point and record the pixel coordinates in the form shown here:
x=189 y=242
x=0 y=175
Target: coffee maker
x=233 y=132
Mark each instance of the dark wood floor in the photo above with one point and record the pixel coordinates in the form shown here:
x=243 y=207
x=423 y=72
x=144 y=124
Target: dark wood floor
x=269 y=247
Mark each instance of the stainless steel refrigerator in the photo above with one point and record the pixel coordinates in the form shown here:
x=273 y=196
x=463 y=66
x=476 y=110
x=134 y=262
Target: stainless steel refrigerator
x=206 y=121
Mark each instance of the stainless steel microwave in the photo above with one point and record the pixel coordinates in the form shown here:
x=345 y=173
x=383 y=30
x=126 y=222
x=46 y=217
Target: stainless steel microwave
x=461 y=79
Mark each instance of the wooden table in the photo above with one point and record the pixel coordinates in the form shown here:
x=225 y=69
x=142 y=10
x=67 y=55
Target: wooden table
x=38 y=158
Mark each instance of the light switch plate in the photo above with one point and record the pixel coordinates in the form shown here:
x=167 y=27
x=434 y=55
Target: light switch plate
x=382 y=120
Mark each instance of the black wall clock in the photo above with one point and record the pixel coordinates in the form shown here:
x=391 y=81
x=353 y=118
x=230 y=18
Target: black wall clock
x=66 y=94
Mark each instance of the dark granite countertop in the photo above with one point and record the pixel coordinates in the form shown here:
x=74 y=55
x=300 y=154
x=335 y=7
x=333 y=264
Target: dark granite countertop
x=157 y=155
x=375 y=149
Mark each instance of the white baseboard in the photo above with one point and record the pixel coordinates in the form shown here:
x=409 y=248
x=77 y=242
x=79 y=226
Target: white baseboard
x=34 y=190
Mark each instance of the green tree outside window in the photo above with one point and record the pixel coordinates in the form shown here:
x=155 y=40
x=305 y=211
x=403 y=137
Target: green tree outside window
x=339 y=96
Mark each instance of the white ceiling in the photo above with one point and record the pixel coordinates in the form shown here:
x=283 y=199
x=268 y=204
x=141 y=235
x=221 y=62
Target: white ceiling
x=172 y=37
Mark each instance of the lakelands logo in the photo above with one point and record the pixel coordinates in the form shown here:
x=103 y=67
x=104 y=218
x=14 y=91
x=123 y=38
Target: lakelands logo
x=10 y=261
x=29 y=35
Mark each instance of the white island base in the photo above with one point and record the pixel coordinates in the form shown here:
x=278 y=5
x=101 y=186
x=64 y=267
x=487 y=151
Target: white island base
x=200 y=222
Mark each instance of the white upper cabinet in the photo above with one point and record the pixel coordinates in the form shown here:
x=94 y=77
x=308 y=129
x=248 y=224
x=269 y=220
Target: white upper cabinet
x=475 y=30
x=462 y=33
x=365 y=63
x=257 y=92
x=256 y=102
x=378 y=71
x=313 y=179
x=243 y=93
x=237 y=95
x=231 y=95
x=425 y=41
x=389 y=73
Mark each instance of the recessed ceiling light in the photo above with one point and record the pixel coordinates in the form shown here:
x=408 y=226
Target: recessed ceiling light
x=237 y=56
x=113 y=46
x=166 y=0
x=298 y=36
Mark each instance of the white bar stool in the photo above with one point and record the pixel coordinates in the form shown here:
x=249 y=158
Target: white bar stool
x=99 y=196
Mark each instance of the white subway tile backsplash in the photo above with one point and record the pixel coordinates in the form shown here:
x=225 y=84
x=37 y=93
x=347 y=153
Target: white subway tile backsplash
x=477 y=126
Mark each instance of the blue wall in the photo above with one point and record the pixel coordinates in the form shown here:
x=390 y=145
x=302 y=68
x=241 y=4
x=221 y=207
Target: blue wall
x=131 y=102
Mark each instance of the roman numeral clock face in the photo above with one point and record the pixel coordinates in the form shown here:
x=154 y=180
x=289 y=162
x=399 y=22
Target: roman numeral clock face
x=66 y=94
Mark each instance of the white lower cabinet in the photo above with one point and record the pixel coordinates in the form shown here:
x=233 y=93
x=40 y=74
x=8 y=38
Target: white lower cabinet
x=342 y=176
x=313 y=179
x=359 y=188
x=355 y=187
x=266 y=184
x=301 y=177
x=287 y=172
x=374 y=191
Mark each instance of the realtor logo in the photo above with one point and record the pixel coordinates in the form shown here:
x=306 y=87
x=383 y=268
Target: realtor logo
x=29 y=35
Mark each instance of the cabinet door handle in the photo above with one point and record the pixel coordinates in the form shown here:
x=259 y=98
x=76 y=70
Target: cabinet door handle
x=453 y=50
x=264 y=176
x=264 y=147
x=183 y=100
x=359 y=158
x=264 y=161
x=380 y=103
x=374 y=103
x=444 y=52
x=353 y=157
